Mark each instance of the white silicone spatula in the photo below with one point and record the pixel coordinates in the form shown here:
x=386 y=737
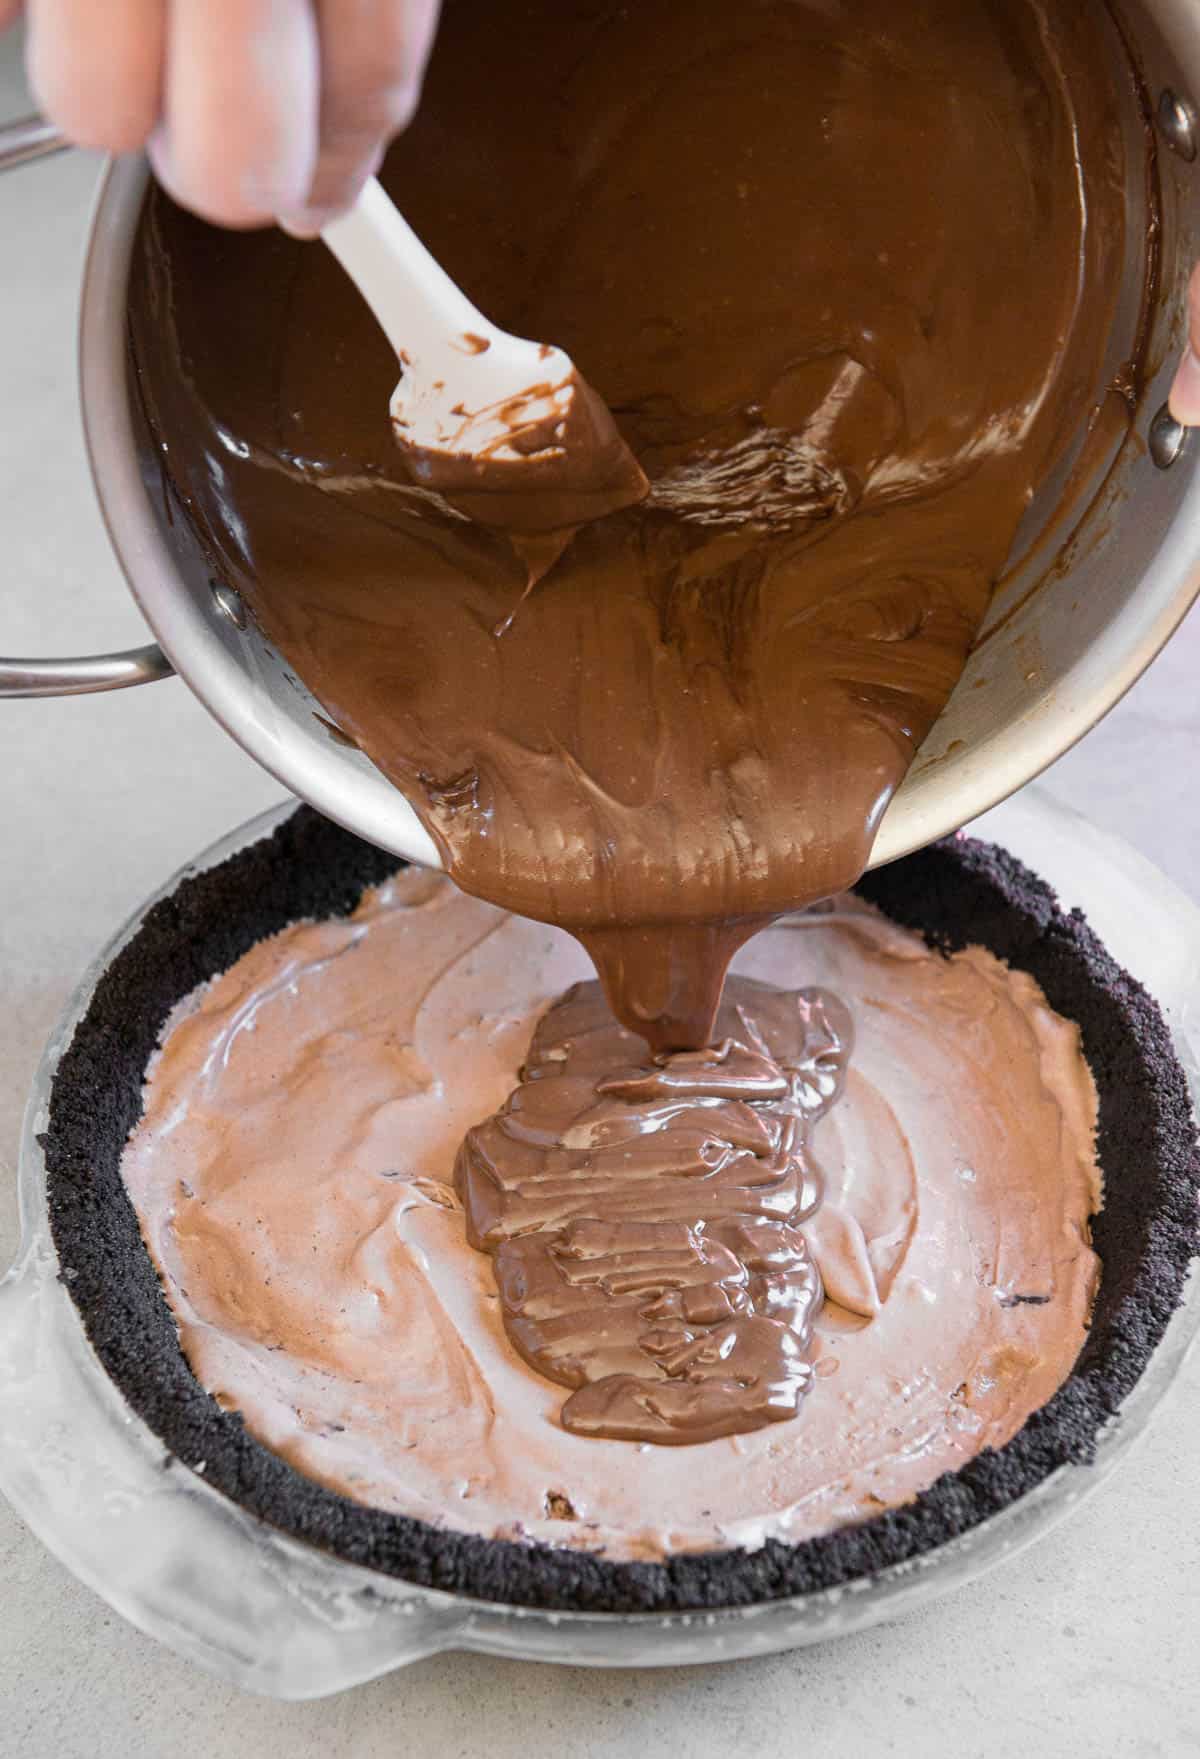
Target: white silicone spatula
x=505 y=429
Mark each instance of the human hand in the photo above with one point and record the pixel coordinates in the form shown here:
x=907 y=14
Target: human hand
x=252 y=110
x=1185 y=392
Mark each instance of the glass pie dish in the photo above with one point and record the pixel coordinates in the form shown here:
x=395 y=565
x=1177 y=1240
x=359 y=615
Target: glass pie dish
x=267 y=1612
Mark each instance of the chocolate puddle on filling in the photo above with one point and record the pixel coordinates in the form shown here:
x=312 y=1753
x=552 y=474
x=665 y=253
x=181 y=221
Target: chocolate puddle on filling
x=645 y=1216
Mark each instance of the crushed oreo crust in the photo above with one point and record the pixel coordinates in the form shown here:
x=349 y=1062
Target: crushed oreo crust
x=956 y=893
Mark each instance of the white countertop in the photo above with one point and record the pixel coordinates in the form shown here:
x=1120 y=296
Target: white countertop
x=1086 y=1645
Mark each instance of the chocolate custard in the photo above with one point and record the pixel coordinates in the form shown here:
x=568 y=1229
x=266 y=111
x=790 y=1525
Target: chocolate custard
x=844 y=276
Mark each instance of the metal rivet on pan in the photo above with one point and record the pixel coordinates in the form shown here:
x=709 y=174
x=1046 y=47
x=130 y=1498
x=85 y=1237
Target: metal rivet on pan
x=229 y=603
x=1167 y=439
x=1177 y=119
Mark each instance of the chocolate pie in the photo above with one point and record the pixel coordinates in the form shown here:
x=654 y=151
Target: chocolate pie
x=320 y=1312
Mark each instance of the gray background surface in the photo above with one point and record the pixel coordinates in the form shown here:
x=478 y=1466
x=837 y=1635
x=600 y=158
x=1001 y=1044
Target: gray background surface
x=1086 y=1645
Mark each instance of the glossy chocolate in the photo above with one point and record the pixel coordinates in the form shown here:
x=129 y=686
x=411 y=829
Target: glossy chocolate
x=845 y=278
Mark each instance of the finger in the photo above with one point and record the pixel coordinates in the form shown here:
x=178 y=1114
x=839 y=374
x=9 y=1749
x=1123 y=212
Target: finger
x=96 y=71
x=239 y=138
x=373 y=57
x=1185 y=392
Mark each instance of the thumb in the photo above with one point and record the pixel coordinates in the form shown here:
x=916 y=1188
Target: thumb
x=1185 y=392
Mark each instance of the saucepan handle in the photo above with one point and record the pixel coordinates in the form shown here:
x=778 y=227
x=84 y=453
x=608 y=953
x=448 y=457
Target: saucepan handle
x=29 y=137
x=80 y=675
x=33 y=138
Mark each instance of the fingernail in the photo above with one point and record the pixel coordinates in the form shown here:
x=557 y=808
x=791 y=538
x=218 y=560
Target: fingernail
x=162 y=160
x=334 y=190
x=407 y=103
x=1185 y=392
x=309 y=222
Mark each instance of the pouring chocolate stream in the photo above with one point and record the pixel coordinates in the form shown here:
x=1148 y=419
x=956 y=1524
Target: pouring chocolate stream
x=846 y=287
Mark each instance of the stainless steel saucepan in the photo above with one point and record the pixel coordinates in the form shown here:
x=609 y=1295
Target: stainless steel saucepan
x=1070 y=630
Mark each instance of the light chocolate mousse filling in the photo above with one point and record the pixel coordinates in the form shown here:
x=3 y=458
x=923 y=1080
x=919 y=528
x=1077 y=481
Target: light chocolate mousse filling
x=294 y=1174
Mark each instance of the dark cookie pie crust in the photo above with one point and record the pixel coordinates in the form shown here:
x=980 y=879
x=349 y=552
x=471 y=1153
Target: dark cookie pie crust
x=955 y=893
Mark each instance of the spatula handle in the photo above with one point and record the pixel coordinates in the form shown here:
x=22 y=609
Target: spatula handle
x=420 y=310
